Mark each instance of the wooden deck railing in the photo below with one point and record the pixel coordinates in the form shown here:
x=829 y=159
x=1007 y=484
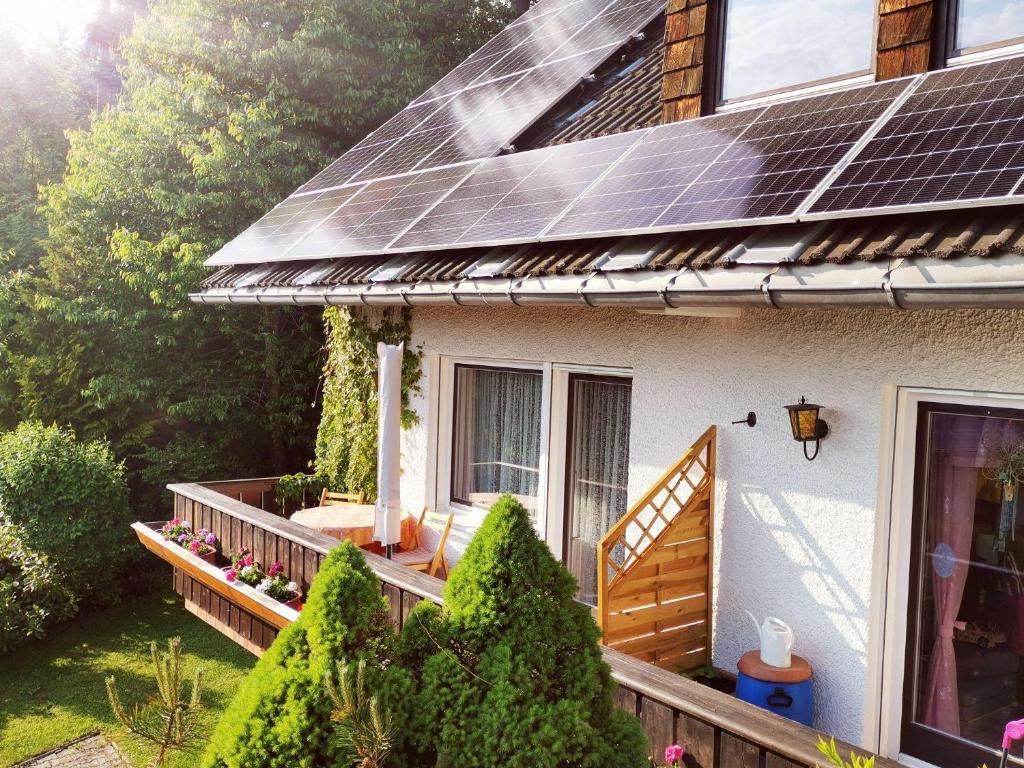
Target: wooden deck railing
x=654 y=572
x=719 y=731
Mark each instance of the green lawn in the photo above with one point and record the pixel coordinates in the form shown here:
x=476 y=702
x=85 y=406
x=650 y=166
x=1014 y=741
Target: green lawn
x=53 y=691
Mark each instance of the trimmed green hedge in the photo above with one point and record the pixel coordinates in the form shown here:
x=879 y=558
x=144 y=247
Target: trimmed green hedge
x=281 y=715
x=69 y=499
x=509 y=672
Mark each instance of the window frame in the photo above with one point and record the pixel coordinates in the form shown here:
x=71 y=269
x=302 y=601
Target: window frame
x=944 y=50
x=714 y=76
x=541 y=489
x=442 y=438
x=888 y=633
x=929 y=745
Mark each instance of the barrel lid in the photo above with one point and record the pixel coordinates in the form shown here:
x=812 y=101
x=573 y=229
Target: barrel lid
x=752 y=666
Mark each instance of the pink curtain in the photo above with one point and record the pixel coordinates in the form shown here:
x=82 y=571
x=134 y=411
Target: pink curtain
x=957 y=454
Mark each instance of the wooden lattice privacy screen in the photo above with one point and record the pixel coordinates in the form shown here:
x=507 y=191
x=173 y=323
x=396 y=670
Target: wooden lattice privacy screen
x=654 y=591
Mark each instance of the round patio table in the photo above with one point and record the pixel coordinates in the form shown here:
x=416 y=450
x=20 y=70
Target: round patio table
x=350 y=521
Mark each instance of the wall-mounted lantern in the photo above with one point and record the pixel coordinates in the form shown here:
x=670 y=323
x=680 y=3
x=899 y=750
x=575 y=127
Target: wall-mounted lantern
x=807 y=427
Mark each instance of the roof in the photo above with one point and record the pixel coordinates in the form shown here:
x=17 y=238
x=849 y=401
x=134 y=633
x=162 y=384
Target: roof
x=625 y=94
x=987 y=232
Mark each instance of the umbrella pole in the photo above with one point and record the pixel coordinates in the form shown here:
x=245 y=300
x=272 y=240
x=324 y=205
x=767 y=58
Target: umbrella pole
x=389 y=550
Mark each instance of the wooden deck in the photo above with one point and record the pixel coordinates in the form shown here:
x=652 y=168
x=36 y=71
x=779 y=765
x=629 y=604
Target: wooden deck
x=719 y=731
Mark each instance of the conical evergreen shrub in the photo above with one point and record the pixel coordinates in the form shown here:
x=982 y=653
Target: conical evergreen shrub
x=509 y=672
x=281 y=715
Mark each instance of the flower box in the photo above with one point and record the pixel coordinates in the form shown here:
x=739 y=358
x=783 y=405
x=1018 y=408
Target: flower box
x=245 y=572
x=266 y=609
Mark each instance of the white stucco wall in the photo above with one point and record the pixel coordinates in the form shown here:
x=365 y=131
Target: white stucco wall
x=793 y=538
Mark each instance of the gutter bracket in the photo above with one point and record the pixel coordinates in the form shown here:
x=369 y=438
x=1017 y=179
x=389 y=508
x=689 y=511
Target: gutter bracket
x=890 y=295
x=663 y=291
x=766 y=291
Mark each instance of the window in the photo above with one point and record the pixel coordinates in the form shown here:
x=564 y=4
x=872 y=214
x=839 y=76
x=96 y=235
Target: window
x=598 y=471
x=965 y=623
x=983 y=24
x=497 y=436
x=773 y=45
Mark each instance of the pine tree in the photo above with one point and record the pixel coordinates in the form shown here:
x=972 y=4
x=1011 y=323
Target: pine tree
x=509 y=673
x=281 y=716
x=168 y=719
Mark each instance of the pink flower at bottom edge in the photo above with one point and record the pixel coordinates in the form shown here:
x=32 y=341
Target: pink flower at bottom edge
x=230 y=576
x=674 y=754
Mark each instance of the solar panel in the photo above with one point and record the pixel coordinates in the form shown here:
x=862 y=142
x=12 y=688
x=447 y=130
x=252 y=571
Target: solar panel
x=270 y=237
x=363 y=153
x=616 y=24
x=633 y=194
x=515 y=197
x=781 y=159
x=958 y=137
x=528 y=29
x=381 y=210
x=467 y=107
x=741 y=167
x=495 y=94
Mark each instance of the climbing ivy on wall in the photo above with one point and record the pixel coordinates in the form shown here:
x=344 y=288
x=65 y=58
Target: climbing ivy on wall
x=346 y=442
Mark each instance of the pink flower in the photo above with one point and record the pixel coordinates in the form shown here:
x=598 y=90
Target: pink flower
x=231 y=576
x=674 y=754
x=194 y=546
x=247 y=560
x=276 y=568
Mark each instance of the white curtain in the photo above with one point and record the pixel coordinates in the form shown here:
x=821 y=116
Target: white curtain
x=599 y=472
x=497 y=435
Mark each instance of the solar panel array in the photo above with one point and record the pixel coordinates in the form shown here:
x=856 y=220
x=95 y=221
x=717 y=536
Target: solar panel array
x=943 y=139
x=756 y=165
x=516 y=196
x=342 y=222
x=958 y=137
x=270 y=237
x=490 y=98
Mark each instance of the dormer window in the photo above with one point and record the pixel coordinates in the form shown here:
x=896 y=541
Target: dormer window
x=773 y=47
x=984 y=26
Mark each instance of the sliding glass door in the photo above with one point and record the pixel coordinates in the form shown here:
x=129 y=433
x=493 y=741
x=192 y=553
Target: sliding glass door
x=597 y=470
x=964 y=674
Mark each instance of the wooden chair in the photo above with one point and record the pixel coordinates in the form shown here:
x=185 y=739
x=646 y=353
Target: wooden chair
x=330 y=498
x=421 y=557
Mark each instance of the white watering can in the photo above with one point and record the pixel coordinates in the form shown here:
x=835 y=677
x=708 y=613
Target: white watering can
x=776 y=641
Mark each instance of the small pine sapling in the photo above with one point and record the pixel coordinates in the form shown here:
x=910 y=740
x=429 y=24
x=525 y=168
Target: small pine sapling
x=167 y=719
x=364 y=729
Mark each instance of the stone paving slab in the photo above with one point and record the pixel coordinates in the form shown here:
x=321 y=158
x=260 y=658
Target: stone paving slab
x=93 y=750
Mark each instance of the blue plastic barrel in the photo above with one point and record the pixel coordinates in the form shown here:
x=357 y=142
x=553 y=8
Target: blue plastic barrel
x=792 y=700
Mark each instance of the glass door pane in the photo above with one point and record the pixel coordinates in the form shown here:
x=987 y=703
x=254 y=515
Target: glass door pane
x=965 y=675
x=598 y=469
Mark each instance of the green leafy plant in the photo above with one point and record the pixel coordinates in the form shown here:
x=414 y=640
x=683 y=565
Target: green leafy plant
x=168 y=719
x=346 y=442
x=298 y=488
x=70 y=500
x=363 y=728
x=33 y=594
x=281 y=715
x=509 y=672
x=831 y=753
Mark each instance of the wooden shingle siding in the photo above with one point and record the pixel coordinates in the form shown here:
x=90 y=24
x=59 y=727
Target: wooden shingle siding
x=906 y=30
x=683 y=66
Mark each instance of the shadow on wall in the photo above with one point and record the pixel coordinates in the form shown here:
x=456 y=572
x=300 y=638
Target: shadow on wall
x=771 y=563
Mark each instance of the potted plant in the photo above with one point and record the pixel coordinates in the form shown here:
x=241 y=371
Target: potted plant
x=202 y=544
x=274 y=584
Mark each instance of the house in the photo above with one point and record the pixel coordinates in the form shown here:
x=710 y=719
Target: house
x=621 y=224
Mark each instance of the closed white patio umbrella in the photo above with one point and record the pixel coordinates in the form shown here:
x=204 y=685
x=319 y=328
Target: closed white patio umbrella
x=387 y=524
